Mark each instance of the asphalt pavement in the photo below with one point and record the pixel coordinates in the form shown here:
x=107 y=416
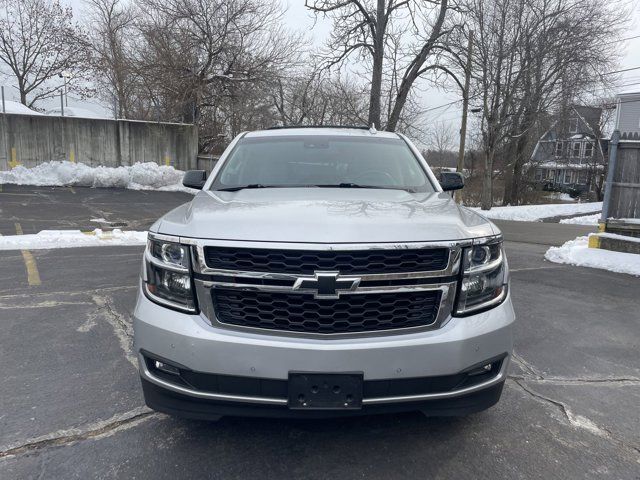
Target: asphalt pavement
x=71 y=405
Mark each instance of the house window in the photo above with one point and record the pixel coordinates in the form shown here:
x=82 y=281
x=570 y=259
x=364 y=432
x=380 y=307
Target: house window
x=575 y=149
x=538 y=175
x=582 y=177
x=588 y=150
x=567 y=176
x=558 y=148
x=573 y=125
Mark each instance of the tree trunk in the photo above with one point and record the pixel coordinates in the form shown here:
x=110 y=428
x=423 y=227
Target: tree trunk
x=23 y=93
x=401 y=99
x=487 y=181
x=378 y=60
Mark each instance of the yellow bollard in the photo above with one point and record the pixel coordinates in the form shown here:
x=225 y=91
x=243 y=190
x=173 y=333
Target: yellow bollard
x=13 y=163
x=594 y=241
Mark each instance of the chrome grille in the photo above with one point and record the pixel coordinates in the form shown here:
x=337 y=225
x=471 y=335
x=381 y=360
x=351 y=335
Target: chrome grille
x=326 y=290
x=306 y=262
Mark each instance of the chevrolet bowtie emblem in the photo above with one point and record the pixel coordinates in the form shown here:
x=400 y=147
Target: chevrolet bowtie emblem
x=326 y=284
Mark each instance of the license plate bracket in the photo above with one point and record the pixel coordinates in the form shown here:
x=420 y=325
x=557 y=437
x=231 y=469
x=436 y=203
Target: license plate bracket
x=325 y=391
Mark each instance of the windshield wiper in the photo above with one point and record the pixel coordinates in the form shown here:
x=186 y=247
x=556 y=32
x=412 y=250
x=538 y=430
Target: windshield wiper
x=337 y=185
x=243 y=187
x=357 y=185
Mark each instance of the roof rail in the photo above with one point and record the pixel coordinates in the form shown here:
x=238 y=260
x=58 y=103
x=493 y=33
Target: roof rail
x=280 y=127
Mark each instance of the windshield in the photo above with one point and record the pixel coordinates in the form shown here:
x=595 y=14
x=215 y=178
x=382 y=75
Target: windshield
x=322 y=161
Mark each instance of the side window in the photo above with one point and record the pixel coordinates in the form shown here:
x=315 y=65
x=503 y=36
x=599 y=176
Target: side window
x=558 y=148
x=588 y=150
x=582 y=177
x=573 y=125
x=538 y=174
x=575 y=149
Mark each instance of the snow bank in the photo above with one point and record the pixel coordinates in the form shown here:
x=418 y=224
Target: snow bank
x=140 y=176
x=565 y=197
x=535 y=213
x=583 y=220
x=76 y=112
x=16 y=107
x=576 y=252
x=47 y=239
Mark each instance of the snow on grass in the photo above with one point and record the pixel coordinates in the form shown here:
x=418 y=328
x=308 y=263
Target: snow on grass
x=16 y=107
x=47 y=239
x=535 y=213
x=583 y=220
x=576 y=252
x=140 y=176
x=564 y=197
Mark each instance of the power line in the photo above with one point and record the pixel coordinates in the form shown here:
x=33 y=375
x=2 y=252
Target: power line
x=477 y=94
x=621 y=71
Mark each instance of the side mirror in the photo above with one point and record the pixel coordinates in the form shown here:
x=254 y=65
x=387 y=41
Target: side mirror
x=451 y=181
x=194 y=179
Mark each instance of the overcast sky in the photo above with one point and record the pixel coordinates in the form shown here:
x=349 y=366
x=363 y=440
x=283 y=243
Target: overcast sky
x=299 y=18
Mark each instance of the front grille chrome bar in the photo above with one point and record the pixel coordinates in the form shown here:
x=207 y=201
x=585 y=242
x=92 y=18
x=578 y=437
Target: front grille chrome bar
x=452 y=268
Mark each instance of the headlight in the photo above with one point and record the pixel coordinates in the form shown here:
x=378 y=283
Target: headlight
x=485 y=278
x=167 y=275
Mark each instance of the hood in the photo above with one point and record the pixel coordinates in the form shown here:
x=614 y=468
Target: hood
x=323 y=215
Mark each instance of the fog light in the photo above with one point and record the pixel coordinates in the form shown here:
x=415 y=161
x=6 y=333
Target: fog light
x=479 y=371
x=166 y=368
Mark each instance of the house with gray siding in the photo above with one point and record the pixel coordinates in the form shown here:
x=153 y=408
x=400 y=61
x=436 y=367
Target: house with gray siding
x=571 y=156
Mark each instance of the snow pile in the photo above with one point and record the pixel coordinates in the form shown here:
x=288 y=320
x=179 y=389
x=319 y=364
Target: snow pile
x=535 y=213
x=47 y=239
x=75 y=112
x=576 y=252
x=16 y=107
x=583 y=220
x=140 y=176
x=565 y=197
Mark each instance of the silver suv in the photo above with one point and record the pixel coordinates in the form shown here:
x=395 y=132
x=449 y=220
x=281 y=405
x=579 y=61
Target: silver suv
x=322 y=272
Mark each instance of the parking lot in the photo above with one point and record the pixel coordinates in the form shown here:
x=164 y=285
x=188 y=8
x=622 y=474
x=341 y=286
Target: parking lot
x=71 y=404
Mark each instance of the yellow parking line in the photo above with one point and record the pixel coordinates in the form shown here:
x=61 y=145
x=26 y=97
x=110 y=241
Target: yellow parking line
x=33 y=276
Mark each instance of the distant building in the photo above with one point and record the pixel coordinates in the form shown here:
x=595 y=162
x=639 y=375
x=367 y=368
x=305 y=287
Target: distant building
x=570 y=156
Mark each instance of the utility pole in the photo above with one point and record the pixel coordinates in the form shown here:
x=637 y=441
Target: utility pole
x=465 y=111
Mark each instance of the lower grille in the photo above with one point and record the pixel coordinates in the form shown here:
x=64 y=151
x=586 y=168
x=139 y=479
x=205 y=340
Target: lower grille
x=303 y=313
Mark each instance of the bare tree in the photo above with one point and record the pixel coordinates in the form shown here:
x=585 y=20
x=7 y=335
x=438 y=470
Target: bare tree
x=528 y=52
x=111 y=34
x=370 y=29
x=442 y=136
x=38 y=42
x=199 y=53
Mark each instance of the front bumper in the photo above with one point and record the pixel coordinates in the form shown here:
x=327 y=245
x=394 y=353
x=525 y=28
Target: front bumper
x=190 y=342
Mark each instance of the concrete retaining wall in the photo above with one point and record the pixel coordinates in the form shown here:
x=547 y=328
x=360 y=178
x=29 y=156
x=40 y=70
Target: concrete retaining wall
x=33 y=139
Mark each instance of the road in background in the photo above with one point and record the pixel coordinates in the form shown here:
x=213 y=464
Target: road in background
x=71 y=405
